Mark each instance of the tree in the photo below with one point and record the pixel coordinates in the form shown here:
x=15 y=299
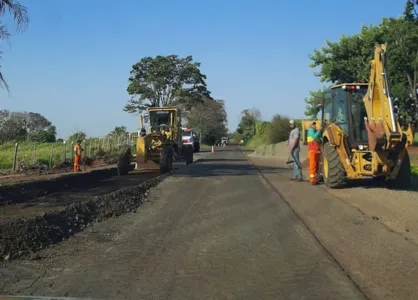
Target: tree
x=312 y=108
x=78 y=136
x=19 y=126
x=119 y=130
x=20 y=16
x=12 y=129
x=209 y=119
x=348 y=60
x=165 y=81
x=246 y=126
x=254 y=113
x=402 y=38
x=278 y=129
x=44 y=136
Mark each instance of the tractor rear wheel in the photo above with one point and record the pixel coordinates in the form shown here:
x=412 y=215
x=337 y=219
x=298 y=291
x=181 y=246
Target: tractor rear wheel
x=166 y=159
x=124 y=162
x=404 y=179
x=332 y=169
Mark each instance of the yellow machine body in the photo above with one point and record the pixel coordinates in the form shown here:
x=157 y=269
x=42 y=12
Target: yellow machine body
x=361 y=137
x=158 y=148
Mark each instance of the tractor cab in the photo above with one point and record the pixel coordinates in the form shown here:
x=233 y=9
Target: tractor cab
x=343 y=106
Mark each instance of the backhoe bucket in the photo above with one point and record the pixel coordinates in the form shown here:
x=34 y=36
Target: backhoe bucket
x=148 y=165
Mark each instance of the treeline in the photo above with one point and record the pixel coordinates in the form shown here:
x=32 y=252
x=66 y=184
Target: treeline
x=171 y=80
x=348 y=60
x=25 y=126
x=254 y=131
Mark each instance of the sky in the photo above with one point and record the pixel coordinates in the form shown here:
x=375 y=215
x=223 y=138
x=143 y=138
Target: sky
x=72 y=64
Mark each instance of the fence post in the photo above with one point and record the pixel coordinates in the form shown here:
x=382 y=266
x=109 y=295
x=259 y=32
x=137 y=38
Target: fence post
x=51 y=150
x=64 y=151
x=33 y=155
x=15 y=157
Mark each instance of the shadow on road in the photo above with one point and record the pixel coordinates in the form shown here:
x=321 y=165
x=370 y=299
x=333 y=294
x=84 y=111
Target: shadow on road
x=221 y=159
x=215 y=167
x=370 y=183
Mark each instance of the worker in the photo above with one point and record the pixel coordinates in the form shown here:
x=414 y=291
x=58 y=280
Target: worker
x=77 y=156
x=314 y=151
x=294 y=150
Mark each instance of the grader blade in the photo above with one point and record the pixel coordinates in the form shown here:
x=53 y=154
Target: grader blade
x=148 y=165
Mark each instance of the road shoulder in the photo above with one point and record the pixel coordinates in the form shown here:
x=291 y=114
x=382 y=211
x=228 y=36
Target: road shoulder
x=382 y=262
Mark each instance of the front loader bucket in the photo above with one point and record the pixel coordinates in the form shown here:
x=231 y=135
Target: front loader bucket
x=148 y=165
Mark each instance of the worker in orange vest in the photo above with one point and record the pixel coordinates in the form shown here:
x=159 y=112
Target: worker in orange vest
x=77 y=156
x=314 y=151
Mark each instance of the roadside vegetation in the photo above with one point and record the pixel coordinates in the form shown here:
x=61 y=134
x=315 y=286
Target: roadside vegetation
x=347 y=60
x=30 y=139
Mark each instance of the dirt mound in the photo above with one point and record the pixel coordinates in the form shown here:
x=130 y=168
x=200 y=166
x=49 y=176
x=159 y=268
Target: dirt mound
x=279 y=151
x=26 y=191
x=25 y=236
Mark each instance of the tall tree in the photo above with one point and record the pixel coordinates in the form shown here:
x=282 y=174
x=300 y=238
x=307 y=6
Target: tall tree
x=312 y=108
x=247 y=124
x=278 y=129
x=348 y=60
x=402 y=38
x=20 y=16
x=119 y=130
x=209 y=119
x=26 y=125
x=165 y=81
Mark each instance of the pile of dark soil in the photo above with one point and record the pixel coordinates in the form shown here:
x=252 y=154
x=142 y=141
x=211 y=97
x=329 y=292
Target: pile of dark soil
x=26 y=191
x=21 y=237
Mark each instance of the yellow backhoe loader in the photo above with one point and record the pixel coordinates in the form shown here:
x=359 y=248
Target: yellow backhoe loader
x=163 y=144
x=361 y=137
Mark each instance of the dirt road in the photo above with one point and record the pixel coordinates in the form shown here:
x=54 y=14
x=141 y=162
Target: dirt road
x=214 y=230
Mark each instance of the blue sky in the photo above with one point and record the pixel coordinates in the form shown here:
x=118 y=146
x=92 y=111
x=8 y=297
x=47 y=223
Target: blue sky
x=73 y=62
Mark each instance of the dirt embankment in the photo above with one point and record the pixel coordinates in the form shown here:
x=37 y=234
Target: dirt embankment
x=29 y=190
x=20 y=237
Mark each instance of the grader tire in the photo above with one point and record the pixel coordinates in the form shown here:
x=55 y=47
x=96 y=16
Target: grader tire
x=166 y=159
x=124 y=162
x=332 y=169
x=191 y=151
x=404 y=179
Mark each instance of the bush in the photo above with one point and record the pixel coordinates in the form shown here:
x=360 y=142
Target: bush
x=278 y=131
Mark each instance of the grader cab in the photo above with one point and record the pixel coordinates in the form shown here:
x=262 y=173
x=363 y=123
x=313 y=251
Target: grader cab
x=162 y=144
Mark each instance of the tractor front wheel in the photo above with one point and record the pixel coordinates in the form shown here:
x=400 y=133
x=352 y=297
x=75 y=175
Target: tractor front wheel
x=333 y=170
x=404 y=179
x=166 y=159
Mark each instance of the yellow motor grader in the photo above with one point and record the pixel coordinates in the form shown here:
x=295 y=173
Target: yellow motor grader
x=163 y=144
x=361 y=137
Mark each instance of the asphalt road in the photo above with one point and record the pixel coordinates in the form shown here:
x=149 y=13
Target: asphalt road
x=214 y=230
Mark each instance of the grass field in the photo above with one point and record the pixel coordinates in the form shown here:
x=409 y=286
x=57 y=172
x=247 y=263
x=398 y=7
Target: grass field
x=51 y=154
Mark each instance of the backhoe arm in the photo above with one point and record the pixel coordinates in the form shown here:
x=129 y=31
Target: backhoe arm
x=382 y=128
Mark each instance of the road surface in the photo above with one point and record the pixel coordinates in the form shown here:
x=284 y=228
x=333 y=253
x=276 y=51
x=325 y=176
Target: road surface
x=214 y=230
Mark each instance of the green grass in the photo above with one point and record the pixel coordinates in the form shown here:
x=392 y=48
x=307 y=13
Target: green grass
x=26 y=151
x=414 y=171
x=255 y=142
x=50 y=154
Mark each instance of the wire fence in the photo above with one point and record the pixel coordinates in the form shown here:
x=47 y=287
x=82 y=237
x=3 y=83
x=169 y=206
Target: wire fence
x=48 y=155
